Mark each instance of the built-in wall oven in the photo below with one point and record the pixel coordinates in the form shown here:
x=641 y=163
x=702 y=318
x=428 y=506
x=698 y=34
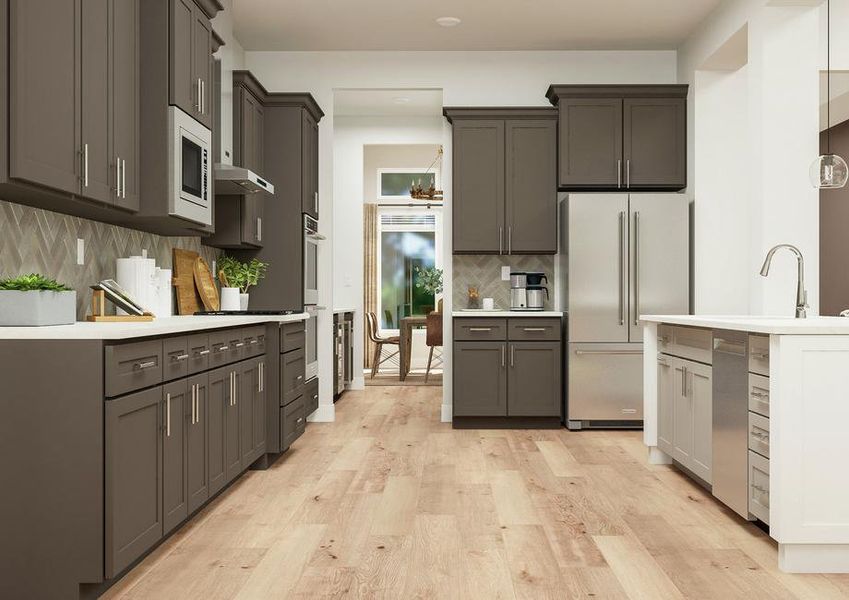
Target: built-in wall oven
x=312 y=239
x=189 y=154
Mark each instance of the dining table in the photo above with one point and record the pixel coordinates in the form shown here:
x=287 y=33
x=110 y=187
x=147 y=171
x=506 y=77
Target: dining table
x=407 y=325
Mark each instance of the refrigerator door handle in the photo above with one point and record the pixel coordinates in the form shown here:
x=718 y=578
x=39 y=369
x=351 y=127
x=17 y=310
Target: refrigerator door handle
x=636 y=267
x=621 y=267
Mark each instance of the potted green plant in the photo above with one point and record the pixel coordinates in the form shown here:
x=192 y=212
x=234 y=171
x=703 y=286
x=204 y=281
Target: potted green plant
x=430 y=280
x=36 y=300
x=238 y=278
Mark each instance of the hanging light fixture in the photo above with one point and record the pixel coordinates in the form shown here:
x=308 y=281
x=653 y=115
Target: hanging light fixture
x=417 y=192
x=829 y=170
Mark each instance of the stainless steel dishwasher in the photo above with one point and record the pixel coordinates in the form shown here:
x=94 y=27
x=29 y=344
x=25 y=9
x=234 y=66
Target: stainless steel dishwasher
x=730 y=420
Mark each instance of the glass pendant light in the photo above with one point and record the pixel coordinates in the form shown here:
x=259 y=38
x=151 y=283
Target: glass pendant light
x=828 y=171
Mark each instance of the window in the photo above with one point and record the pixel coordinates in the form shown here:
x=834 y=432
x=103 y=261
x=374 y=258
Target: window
x=393 y=184
x=408 y=239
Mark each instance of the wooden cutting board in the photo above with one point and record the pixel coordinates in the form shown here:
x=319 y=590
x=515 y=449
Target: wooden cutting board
x=205 y=285
x=188 y=299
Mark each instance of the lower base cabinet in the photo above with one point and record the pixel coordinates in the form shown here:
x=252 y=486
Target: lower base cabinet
x=218 y=401
x=534 y=387
x=293 y=421
x=175 y=505
x=480 y=379
x=197 y=442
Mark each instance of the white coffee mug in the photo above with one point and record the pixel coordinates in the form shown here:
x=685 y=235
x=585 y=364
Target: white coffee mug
x=488 y=304
x=230 y=298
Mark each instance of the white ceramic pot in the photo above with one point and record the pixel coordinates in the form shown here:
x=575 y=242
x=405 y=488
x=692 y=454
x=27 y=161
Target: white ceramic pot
x=37 y=308
x=243 y=301
x=230 y=298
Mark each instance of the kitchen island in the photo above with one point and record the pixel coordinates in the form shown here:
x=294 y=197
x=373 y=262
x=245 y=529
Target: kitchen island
x=757 y=408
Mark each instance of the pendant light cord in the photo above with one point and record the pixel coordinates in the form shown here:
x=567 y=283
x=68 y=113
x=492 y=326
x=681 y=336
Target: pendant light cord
x=828 y=76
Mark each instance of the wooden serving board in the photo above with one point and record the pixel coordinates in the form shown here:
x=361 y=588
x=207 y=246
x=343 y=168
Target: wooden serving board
x=188 y=299
x=206 y=285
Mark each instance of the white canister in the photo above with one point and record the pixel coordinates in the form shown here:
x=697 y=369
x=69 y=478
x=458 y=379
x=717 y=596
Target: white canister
x=136 y=276
x=230 y=298
x=243 y=301
x=163 y=305
x=488 y=304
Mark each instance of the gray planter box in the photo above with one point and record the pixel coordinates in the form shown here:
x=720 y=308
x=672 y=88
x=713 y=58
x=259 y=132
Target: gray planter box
x=37 y=308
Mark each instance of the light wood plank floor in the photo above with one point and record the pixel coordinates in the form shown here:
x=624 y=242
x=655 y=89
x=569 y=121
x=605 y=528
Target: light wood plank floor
x=387 y=502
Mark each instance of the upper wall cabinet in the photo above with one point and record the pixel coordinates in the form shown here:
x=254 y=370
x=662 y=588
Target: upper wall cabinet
x=191 y=40
x=504 y=180
x=621 y=137
x=73 y=114
x=309 y=163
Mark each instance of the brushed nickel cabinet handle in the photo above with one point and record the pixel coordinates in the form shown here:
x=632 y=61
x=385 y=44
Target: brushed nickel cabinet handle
x=202 y=97
x=198 y=93
x=480 y=328
x=223 y=348
x=501 y=240
x=144 y=365
x=118 y=176
x=168 y=415
x=628 y=172
x=619 y=172
x=512 y=356
x=203 y=352
x=509 y=239
x=85 y=165
x=252 y=342
x=533 y=328
x=123 y=178
x=180 y=357
x=239 y=344
x=502 y=356
x=259 y=229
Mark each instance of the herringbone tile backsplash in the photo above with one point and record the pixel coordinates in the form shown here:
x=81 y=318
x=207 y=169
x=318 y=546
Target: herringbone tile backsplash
x=484 y=272
x=40 y=241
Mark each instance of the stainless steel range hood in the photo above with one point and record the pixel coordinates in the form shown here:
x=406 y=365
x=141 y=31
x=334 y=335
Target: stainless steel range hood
x=232 y=180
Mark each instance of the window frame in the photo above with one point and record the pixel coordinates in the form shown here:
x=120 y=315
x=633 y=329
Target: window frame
x=406 y=196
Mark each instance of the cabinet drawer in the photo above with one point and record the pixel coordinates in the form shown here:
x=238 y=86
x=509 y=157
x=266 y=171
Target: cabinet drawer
x=474 y=329
x=254 y=338
x=533 y=329
x=759 y=434
x=199 y=351
x=175 y=358
x=759 y=487
x=759 y=394
x=133 y=366
x=226 y=347
x=292 y=336
x=311 y=396
x=292 y=371
x=292 y=422
x=759 y=354
x=687 y=342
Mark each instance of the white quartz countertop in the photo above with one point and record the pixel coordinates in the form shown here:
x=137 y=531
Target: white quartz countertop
x=507 y=313
x=83 y=330
x=758 y=324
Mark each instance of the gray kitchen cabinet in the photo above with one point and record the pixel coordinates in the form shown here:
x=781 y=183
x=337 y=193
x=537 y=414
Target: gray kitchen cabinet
x=197 y=442
x=126 y=96
x=133 y=501
x=682 y=437
x=699 y=390
x=292 y=372
x=260 y=435
x=218 y=402
x=534 y=386
x=175 y=505
x=97 y=168
x=292 y=422
x=202 y=63
x=504 y=180
x=252 y=411
x=309 y=164
x=630 y=137
x=480 y=379
x=248 y=126
x=232 y=428
x=190 y=35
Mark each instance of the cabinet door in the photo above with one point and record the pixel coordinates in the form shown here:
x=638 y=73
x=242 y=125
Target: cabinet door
x=202 y=65
x=479 y=187
x=232 y=435
x=258 y=127
x=655 y=143
x=175 y=503
x=184 y=88
x=125 y=101
x=218 y=402
x=249 y=382
x=590 y=143
x=251 y=211
x=531 y=179
x=665 y=403
x=133 y=457
x=700 y=393
x=292 y=371
x=534 y=388
x=260 y=412
x=44 y=93
x=314 y=167
x=309 y=151
x=480 y=379
x=197 y=441
x=97 y=172
x=244 y=122
x=682 y=435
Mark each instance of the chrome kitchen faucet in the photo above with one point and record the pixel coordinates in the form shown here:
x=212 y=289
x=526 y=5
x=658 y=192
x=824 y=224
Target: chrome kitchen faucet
x=801 y=292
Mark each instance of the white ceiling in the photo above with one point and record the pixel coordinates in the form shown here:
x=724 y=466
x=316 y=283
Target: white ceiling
x=487 y=24
x=387 y=103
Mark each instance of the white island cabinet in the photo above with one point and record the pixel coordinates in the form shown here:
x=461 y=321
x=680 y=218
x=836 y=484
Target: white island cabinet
x=789 y=395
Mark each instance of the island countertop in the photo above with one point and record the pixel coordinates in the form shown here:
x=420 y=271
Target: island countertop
x=84 y=330
x=770 y=325
x=506 y=313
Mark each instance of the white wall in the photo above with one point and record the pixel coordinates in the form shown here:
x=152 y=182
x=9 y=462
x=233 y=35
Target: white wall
x=466 y=78
x=752 y=136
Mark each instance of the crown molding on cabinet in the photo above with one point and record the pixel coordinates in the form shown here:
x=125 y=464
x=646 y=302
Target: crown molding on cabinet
x=556 y=92
x=499 y=112
x=247 y=80
x=210 y=7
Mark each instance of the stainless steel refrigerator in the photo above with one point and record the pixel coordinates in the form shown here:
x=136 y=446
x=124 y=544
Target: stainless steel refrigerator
x=622 y=255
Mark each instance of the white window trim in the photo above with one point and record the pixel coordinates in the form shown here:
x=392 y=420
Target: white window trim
x=406 y=196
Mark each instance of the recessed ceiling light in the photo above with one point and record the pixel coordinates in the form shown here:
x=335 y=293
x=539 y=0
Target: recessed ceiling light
x=448 y=21
x=401 y=100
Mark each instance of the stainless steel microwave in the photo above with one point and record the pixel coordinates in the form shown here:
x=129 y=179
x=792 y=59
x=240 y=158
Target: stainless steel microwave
x=189 y=160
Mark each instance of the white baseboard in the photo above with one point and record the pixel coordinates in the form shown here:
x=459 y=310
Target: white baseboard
x=447 y=413
x=325 y=413
x=359 y=383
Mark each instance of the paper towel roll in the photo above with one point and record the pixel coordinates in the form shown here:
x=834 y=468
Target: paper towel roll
x=135 y=275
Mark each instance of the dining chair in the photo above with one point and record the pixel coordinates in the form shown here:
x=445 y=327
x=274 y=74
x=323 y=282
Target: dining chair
x=434 y=338
x=379 y=342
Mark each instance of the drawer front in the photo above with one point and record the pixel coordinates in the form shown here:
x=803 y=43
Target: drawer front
x=175 y=358
x=292 y=422
x=133 y=366
x=474 y=329
x=311 y=396
x=690 y=343
x=292 y=336
x=759 y=487
x=533 y=329
x=292 y=371
x=199 y=351
x=759 y=434
x=254 y=339
x=759 y=354
x=236 y=341
x=759 y=394
x=226 y=347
